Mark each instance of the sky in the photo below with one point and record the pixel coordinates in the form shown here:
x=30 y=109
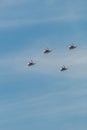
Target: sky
x=41 y=97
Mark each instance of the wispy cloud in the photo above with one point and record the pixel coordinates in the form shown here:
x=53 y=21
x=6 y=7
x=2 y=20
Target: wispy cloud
x=72 y=103
x=33 y=22
x=54 y=12
x=12 y=2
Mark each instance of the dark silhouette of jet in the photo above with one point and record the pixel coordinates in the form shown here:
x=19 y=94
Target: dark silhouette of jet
x=46 y=51
x=63 y=68
x=71 y=47
x=31 y=63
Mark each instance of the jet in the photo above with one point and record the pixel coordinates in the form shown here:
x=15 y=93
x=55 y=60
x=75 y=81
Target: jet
x=71 y=47
x=46 y=51
x=31 y=63
x=63 y=68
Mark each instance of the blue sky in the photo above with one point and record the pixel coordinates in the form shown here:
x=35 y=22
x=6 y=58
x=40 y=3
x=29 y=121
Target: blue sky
x=41 y=97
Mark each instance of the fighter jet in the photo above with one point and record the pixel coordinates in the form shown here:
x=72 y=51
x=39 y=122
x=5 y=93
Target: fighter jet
x=63 y=68
x=31 y=63
x=71 y=47
x=46 y=51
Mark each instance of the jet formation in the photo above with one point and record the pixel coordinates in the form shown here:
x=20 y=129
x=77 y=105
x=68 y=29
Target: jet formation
x=47 y=51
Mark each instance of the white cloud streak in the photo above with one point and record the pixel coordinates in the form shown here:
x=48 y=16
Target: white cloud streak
x=62 y=104
x=33 y=16
x=33 y=22
x=12 y=2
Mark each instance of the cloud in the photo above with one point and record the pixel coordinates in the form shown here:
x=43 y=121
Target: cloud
x=33 y=22
x=12 y=2
x=63 y=103
x=40 y=12
x=27 y=22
